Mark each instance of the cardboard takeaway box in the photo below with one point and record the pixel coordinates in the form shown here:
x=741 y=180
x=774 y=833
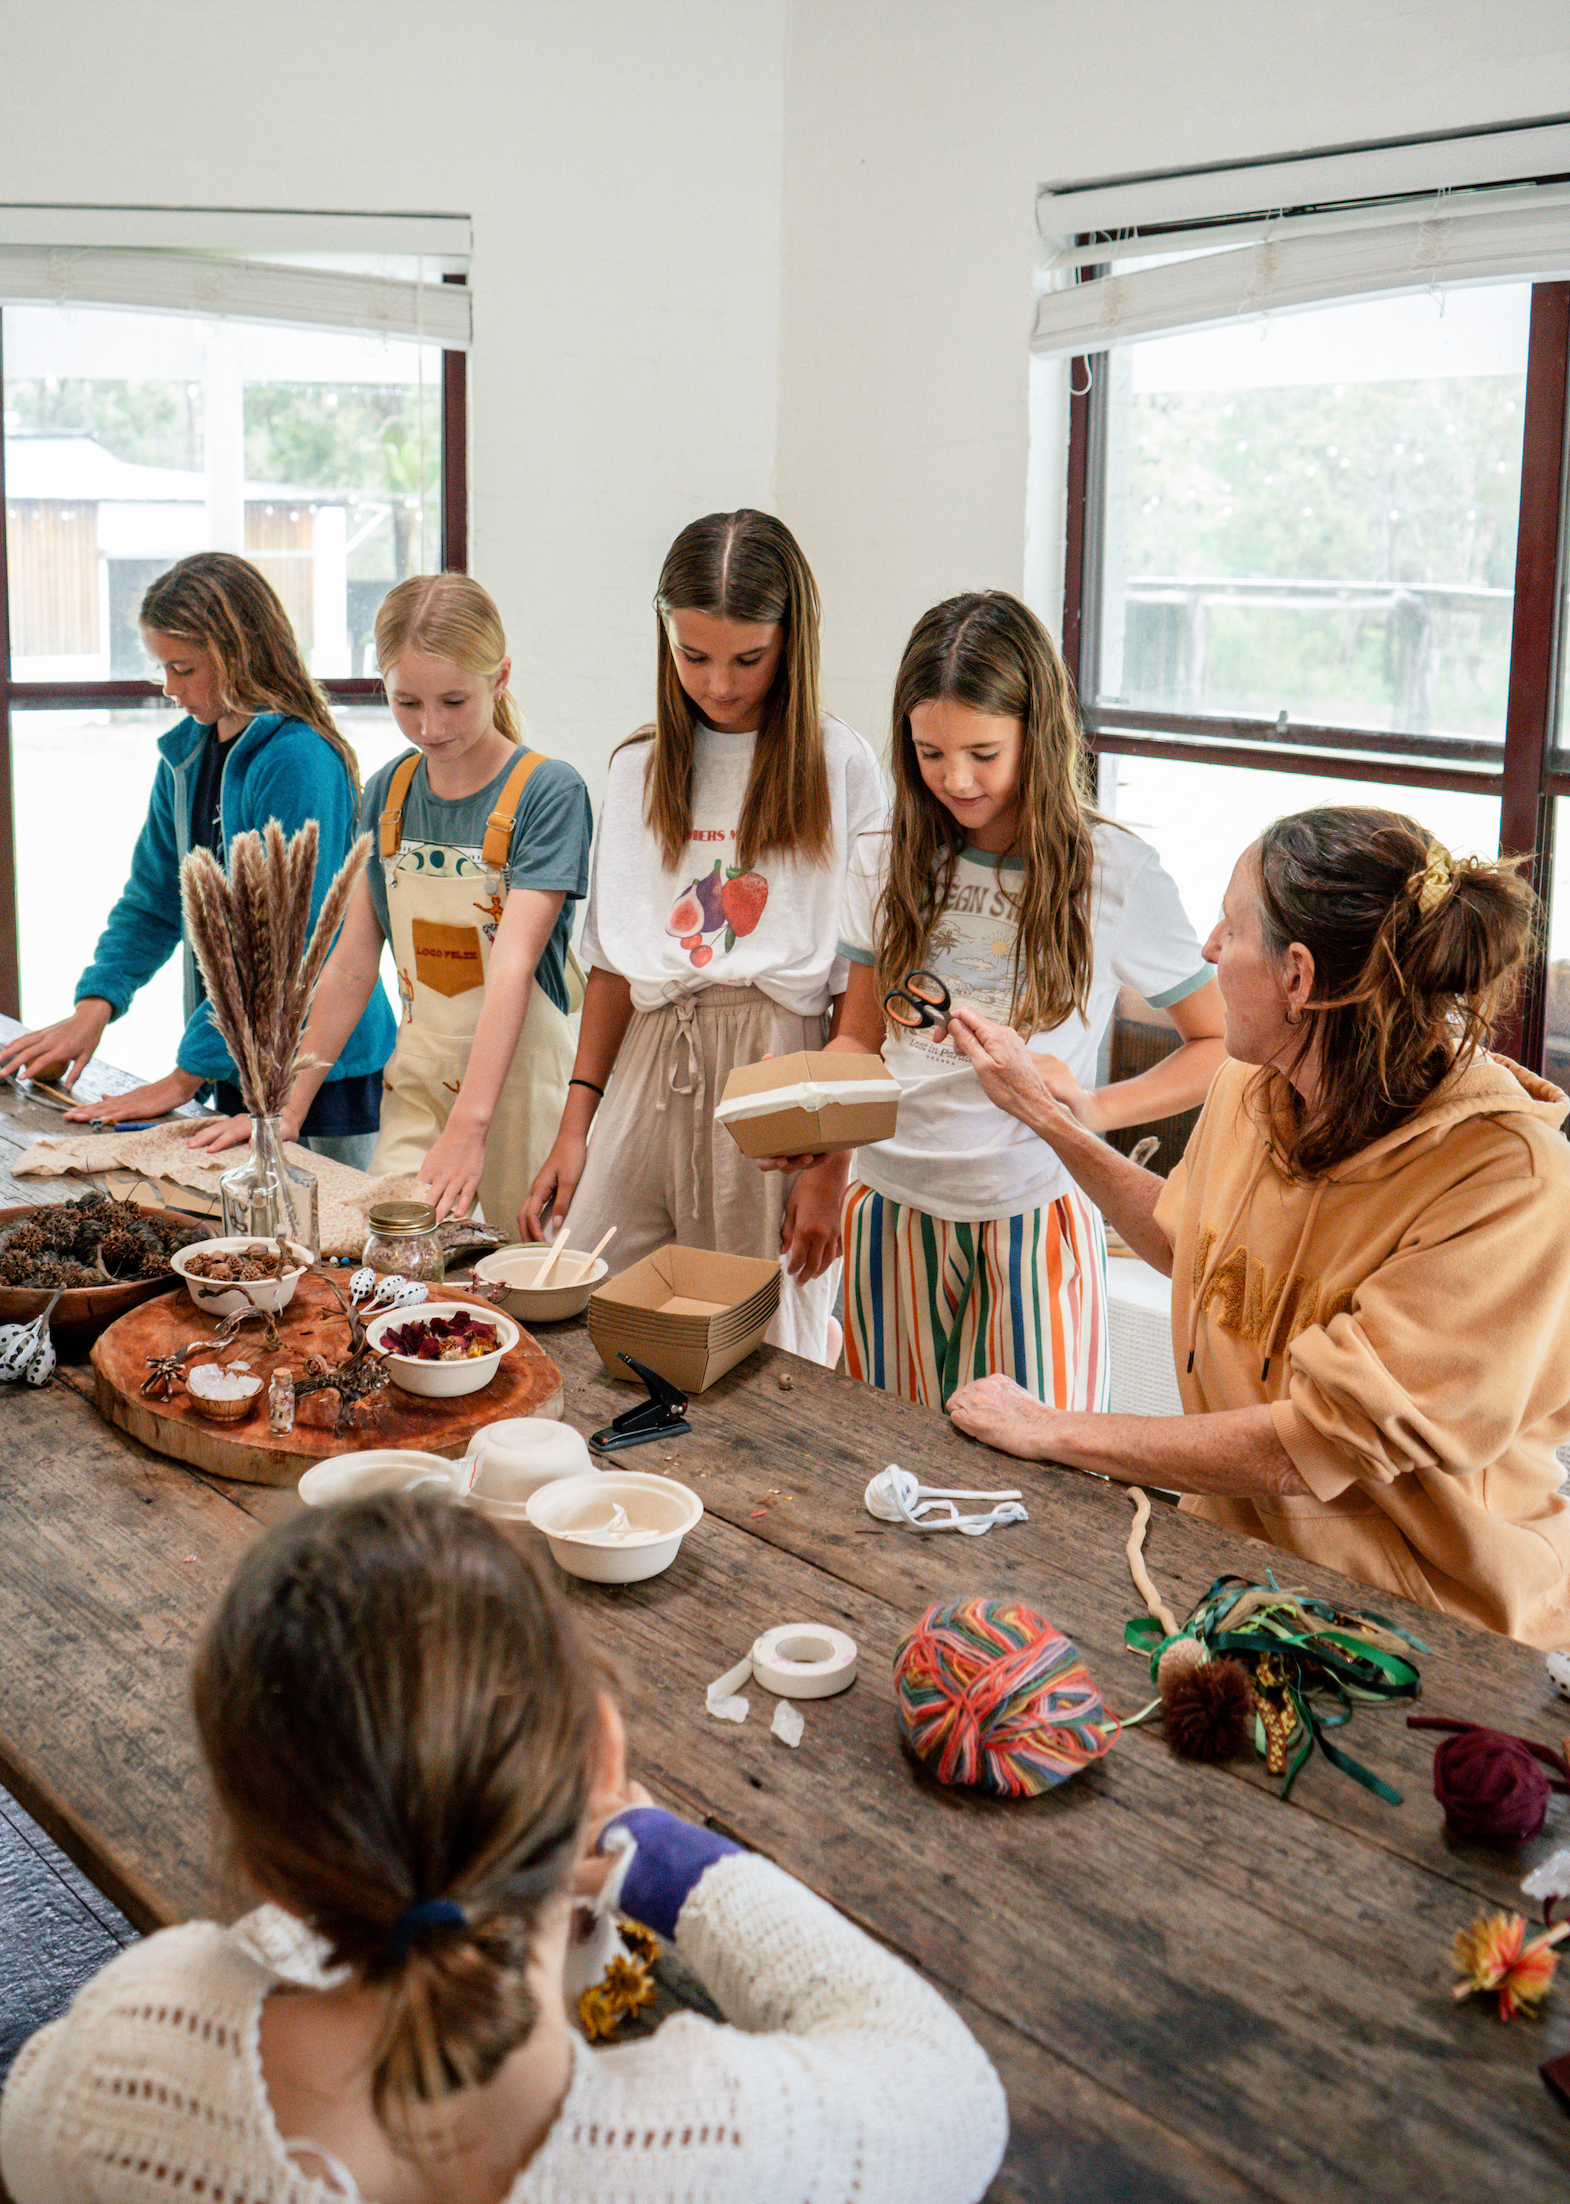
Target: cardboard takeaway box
x=688 y=1313
x=809 y=1100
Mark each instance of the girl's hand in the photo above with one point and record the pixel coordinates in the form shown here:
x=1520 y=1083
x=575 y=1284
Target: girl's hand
x=796 y=1163
x=450 y=1175
x=550 y=1197
x=230 y=1132
x=154 y=1100
x=810 y=1227
x=1002 y=1414
x=75 y=1038
x=593 y=1867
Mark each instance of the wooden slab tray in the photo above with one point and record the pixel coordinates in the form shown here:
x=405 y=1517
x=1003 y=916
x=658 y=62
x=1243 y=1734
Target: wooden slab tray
x=527 y=1383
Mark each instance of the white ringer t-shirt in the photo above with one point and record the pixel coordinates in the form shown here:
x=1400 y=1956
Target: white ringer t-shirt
x=956 y=1155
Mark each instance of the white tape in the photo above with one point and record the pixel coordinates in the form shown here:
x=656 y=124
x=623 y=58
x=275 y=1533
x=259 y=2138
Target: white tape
x=804 y=1660
x=805 y=1094
x=721 y=1697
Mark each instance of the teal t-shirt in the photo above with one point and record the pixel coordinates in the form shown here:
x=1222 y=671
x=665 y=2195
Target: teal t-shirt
x=549 y=848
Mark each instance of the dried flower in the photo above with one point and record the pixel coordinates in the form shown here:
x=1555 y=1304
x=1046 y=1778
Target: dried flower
x=1493 y=1955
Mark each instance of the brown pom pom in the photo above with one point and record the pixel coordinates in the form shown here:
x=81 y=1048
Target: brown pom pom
x=1208 y=1710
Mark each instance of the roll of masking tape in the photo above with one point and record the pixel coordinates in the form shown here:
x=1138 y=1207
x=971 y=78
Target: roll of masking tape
x=804 y=1660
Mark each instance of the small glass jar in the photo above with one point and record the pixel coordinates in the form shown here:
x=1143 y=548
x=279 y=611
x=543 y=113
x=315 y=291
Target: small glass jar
x=403 y=1238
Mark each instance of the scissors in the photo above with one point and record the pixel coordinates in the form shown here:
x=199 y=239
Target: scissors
x=922 y=1001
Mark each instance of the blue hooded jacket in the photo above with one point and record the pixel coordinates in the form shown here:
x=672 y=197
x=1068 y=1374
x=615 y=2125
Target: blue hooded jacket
x=277 y=768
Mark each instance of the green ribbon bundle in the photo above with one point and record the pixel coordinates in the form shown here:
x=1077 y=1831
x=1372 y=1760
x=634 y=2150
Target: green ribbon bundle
x=1305 y=1651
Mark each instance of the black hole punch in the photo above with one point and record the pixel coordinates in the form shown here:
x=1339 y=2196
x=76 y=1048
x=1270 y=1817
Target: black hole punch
x=661 y=1416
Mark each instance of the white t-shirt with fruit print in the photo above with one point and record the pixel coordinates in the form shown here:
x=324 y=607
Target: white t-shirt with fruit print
x=712 y=922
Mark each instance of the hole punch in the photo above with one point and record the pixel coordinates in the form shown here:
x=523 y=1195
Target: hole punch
x=922 y=1001
x=661 y=1416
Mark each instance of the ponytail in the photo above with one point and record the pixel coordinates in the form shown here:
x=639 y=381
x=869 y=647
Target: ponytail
x=1416 y=955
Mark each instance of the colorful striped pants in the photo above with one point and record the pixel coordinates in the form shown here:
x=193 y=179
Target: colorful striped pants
x=930 y=1305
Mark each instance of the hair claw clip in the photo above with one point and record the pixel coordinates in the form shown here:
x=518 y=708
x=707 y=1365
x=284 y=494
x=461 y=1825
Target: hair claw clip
x=661 y=1416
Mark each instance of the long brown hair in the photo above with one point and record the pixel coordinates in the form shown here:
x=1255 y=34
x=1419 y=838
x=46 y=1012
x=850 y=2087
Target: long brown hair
x=988 y=651
x=744 y=566
x=395 y=1708
x=223 y=604
x=1415 y=955
x=448 y=616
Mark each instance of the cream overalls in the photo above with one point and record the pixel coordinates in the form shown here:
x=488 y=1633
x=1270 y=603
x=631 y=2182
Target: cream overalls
x=443 y=908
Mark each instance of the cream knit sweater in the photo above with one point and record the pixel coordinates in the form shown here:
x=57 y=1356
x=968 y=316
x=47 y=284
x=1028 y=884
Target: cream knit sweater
x=841 y=2079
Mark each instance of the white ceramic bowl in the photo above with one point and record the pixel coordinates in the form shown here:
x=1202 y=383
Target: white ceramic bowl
x=378 y=1469
x=578 y=1516
x=513 y=1458
x=514 y=1269
x=443 y=1380
x=214 y=1298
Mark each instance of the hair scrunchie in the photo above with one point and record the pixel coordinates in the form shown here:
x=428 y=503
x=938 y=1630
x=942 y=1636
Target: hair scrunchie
x=433 y=1913
x=1434 y=882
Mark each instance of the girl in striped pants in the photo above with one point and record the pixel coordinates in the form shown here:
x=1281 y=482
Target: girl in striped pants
x=968 y=1249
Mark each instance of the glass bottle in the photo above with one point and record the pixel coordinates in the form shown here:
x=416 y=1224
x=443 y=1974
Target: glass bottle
x=268 y=1196
x=280 y=1403
x=403 y=1238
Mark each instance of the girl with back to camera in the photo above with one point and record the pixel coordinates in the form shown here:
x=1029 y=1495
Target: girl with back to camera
x=480 y=851
x=711 y=925
x=415 y=1764
x=968 y=1247
x=258 y=743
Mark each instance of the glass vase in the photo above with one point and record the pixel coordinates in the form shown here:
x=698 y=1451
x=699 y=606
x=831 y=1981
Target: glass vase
x=268 y=1197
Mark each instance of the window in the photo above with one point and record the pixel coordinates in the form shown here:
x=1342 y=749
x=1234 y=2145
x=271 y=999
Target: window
x=333 y=457
x=1317 y=506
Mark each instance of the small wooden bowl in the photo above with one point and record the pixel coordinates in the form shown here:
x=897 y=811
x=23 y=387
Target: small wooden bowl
x=218 y=1409
x=82 y=1312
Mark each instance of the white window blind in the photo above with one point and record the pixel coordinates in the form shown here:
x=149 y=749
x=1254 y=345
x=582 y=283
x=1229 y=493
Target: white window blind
x=1296 y=233
x=163 y=261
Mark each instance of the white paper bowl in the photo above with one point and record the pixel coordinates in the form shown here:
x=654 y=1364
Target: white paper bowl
x=443 y=1380
x=214 y=1298
x=575 y=1512
x=377 y=1469
x=513 y=1269
x=514 y=1458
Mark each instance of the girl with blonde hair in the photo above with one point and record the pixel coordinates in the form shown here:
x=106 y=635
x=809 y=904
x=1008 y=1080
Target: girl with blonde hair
x=257 y=743
x=968 y=1248
x=480 y=850
x=712 y=923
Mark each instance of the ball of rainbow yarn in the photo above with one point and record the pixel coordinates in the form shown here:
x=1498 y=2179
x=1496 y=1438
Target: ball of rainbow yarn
x=991 y=1695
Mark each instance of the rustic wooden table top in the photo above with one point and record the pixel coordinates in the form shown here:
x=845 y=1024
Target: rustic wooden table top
x=1190 y=1989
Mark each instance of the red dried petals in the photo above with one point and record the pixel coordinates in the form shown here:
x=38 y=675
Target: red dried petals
x=456 y=1338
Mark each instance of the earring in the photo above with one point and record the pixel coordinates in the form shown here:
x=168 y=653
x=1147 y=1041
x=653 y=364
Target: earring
x=1294 y=1017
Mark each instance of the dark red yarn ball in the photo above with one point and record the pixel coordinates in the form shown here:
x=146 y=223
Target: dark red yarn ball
x=1491 y=1786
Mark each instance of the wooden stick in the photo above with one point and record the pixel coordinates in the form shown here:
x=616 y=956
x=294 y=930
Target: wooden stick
x=549 y=1264
x=587 y=1262
x=1136 y=1565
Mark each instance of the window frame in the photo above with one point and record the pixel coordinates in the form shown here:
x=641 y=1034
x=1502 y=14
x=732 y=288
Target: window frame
x=1529 y=774
x=95 y=695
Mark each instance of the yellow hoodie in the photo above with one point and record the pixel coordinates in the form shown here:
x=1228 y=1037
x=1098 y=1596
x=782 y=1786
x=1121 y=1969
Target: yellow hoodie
x=1408 y=1319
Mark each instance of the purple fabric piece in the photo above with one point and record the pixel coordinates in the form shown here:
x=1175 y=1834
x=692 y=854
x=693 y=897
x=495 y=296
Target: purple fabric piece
x=671 y=1857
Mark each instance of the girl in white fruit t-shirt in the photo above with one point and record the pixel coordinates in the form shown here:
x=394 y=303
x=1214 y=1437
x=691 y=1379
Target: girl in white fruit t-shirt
x=711 y=927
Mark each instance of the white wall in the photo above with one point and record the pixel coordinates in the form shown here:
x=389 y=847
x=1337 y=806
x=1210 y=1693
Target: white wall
x=726 y=251
x=916 y=137
x=621 y=162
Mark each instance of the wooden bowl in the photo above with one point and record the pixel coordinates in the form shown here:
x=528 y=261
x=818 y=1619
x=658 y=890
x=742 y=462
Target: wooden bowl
x=82 y=1312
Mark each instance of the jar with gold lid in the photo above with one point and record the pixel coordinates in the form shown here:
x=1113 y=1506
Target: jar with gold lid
x=403 y=1238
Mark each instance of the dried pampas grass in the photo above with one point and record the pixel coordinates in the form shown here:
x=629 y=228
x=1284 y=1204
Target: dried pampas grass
x=249 y=932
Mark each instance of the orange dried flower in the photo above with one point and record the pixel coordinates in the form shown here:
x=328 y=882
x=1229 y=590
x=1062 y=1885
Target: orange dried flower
x=1493 y=1955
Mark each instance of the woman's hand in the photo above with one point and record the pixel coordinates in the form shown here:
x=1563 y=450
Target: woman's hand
x=156 y=1099
x=454 y=1165
x=1029 y=1087
x=75 y=1039
x=555 y=1184
x=233 y=1132
x=1002 y=1414
x=810 y=1227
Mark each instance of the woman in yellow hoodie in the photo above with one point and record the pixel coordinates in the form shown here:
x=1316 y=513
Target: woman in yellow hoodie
x=1368 y=1237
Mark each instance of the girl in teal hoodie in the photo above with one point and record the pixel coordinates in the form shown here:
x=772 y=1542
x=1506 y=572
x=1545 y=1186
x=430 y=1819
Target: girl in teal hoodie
x=258 y=743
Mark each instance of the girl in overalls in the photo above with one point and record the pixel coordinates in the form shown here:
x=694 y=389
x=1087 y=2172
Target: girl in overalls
x=480 y=850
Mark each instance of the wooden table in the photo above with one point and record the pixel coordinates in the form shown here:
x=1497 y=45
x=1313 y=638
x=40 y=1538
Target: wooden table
x=1190 y=1989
